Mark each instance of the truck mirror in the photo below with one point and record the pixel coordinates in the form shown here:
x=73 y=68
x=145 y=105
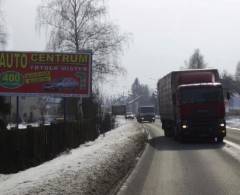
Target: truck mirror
x=228 y=95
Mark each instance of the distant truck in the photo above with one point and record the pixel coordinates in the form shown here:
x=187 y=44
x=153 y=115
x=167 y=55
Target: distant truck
x=119 y=109
x=146 y=113
x=191 y=104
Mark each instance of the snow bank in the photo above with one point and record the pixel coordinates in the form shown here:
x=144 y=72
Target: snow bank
x=120 y=121
x=93 y=168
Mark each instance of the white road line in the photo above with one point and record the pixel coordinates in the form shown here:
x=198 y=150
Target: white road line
x=233 y=128
x=232 y=144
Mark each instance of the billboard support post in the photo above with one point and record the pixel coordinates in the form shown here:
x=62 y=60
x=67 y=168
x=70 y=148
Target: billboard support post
x=64 y=110
x=80 y=109
x=17 y=111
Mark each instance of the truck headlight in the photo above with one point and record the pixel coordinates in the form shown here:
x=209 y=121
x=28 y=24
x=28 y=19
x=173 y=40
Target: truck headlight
x=184 y=124
x=222 y=124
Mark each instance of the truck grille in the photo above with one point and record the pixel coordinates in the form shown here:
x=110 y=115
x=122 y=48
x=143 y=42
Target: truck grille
x=202 y=113
x=203 y=123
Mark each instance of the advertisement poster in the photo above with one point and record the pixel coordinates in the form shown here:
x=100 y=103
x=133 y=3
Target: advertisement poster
x=45 y=74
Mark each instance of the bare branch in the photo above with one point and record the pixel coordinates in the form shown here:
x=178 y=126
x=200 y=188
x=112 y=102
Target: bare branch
x=82 y=24
x=3 y=33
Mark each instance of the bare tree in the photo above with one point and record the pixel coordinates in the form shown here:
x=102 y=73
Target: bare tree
x=196 y=61
x=82 y=24
x=3 y=33
x=42 y=106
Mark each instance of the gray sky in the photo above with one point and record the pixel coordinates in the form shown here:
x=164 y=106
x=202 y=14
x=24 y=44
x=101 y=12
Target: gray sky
x=165 y=33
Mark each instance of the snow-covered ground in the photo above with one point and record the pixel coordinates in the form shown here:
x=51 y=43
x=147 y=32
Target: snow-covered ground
x=233 y=121
x=93 y=168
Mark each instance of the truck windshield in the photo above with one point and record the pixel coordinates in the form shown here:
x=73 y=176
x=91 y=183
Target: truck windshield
x=147 y=110
x=200 y=95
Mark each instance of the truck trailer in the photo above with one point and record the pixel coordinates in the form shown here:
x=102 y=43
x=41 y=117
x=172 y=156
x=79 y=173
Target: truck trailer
x=191 y=104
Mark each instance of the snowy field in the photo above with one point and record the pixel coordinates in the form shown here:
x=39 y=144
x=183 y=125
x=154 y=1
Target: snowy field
x=93 y=168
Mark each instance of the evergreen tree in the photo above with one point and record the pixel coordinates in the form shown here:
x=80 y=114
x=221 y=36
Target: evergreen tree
x=136 y=87
x=237 y=73
x=142 y=90
x=196 y=61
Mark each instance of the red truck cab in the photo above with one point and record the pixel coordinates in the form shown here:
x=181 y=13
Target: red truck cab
x=200 y=110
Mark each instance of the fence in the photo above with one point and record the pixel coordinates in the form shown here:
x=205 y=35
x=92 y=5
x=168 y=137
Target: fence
x=24 y=148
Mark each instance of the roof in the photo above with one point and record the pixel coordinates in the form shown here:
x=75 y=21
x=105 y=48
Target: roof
x=200 y=84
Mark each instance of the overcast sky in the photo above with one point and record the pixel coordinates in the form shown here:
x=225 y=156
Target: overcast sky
x=164 y=33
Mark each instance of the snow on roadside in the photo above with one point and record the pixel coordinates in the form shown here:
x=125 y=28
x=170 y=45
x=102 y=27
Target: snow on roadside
x=233 y=122
x=120 y=121
x=93 y=168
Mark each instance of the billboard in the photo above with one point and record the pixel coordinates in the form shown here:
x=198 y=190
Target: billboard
x=46 y=74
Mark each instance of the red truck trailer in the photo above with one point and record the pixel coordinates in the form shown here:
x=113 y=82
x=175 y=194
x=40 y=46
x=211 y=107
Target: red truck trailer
x=191 y=104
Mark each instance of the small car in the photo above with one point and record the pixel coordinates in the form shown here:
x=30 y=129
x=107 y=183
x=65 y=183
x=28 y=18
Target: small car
x=129 y=115
x=62 y=83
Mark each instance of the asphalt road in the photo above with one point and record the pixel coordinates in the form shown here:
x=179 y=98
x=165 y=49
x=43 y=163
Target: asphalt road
x=169 y=167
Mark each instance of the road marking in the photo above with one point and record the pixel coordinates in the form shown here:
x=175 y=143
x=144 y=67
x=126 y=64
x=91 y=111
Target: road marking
x=232 y=144
x=237 y=129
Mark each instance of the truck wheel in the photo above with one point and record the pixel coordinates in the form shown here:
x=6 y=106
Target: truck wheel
x=163 y=125
x=219 y=139
x=166 y=133
x=3 y=125
x=177 y=135
x=178 y=138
